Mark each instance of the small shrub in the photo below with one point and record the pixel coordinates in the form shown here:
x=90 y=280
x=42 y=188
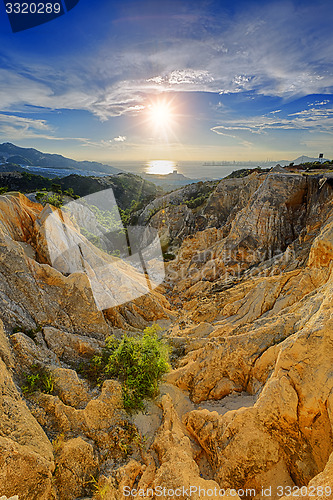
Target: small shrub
x=56 y=188
x=109 y=219
x=126 y=214
x=152 y=212
x=100 y=490
x=95 y=240
x=115 y=253
x=3 y=190
x=70 y=192
x=54 y=199
x=39 y=196
x=138 y=362
x=93 y=370
x=39 y=380
x=126 y=440
x=197 y=202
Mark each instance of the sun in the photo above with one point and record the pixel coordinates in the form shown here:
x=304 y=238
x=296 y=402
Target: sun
x=162 y=118
x=161 y=115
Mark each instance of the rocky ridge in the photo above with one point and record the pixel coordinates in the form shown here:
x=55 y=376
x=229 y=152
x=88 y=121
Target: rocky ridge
x=250 y=300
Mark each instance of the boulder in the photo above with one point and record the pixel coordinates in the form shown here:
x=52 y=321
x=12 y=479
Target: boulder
x=76 y=467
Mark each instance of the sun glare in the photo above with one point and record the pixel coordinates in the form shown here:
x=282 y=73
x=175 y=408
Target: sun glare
x=160 y=167
x=162 y=119
x=161 y=115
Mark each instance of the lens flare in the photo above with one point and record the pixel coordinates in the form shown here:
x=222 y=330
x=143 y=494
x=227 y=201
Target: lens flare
x=160 y=114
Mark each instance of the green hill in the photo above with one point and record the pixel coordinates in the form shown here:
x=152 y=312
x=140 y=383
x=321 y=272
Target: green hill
x=127 y=188
x=31 y=156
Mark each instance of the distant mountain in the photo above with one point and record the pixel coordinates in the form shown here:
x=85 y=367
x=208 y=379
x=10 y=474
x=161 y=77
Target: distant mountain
x=19 y=160
x=33 y=157
x=306 y=159
x=11 y=167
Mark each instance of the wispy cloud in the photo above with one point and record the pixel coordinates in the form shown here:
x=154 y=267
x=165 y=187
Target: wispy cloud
x=313 y=119
x=14 y=128
x=311 y=122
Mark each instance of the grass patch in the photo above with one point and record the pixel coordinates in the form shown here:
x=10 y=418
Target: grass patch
x=38 y=380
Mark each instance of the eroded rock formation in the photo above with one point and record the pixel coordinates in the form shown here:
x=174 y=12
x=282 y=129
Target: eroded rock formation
x=250 y=299
x=32 y=292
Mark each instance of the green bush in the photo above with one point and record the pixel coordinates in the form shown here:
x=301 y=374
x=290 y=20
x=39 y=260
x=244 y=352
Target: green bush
x=54 y=199
x=125 y=215
x=152 y=212
x=39 y=379
x=109 y=219
x=95 y=240
x=56 y=188
x=197 y=202
x=138 y=362
x=70 y=192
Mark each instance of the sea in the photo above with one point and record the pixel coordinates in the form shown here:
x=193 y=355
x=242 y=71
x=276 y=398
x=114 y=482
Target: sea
x=191 y=169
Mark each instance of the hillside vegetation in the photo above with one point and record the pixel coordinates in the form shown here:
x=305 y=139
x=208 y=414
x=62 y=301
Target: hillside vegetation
x=127 y=188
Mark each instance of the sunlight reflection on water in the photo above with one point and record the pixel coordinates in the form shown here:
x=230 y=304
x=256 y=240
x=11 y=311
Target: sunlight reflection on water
x=160 y=167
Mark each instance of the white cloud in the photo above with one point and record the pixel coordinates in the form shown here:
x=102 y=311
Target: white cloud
x=19 y=121
x=14 y=128
x=309 y=120
x=189 y=76
x=318 y=103
x=120 y=138
x=156 y=79
x=314 y=119
x=17 y=90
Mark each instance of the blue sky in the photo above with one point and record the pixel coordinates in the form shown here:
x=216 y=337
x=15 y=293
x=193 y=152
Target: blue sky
x=231 y=80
